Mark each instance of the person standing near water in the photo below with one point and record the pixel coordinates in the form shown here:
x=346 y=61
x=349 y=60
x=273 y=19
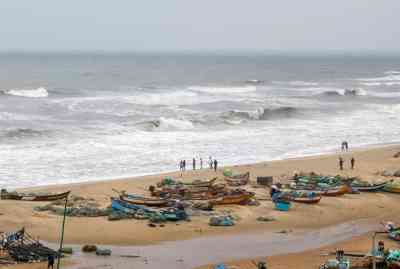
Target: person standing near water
x=201 y=163
x=352 y=162
x=184 y=165
x=215 y=165
x=341 y=163
x=194 y=164
x=210 y=162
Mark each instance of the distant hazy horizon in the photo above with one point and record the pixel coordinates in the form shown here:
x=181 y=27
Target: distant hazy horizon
x=177 y=25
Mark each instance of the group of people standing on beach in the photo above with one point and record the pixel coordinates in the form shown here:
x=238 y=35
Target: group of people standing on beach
x=213 y=164
x=345 y=147
x=341 y=163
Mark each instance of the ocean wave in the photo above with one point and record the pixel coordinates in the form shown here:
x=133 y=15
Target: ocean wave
x=388 y=78
x=392 y=72
x=297 y=83
x=387 y=83
x=260 y=114
x=21 y=133
x=170 y=98
x=222 y=90
x=346 y=92
x=31 y=93
x=254 y=81
x=167 y=124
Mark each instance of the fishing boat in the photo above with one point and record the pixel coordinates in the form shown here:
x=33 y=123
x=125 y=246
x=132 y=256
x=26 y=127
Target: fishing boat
x=141 y=200
x=305 y=200
x=334 y=191
x=120 y=205
x=234 y=198
x=170 y=214
x=368 y=186
x=392 y=187
x=33 y=197
x=238 y=180
x=157 y=202
x=200 y=183
x=393 y=264
x=395 y=235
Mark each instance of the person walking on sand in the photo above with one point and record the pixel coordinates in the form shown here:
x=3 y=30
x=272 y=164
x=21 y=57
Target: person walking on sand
x=341 y=163
x=50 y=262
x=181 y=166
x=201 y=163
x=215 y=165
x=184 y=165
x=210 y=162
x=352 y=162
x=194 y=164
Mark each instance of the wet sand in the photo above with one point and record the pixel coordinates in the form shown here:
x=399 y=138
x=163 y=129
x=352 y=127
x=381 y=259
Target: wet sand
x=195 y=252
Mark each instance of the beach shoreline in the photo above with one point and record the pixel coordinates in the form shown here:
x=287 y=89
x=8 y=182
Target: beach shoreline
x=333 y=151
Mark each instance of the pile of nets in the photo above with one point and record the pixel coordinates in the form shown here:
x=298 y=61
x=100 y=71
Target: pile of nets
x=394 y=255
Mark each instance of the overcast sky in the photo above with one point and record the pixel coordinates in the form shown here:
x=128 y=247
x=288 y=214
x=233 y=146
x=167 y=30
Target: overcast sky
x=288 y=25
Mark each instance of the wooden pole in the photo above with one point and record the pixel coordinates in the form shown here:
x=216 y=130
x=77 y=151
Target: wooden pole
x=373 y=252
x=62 y=234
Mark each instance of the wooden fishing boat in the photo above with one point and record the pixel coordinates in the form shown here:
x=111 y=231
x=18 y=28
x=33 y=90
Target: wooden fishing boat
x=141 y=200
x=369 y=187
x=128 y=208
x=230 y=199
x=33 y=197
x=395 y=235
x=157 y=202
x=305 y=200
x=393 y=265
x=200 y=183
x=238 y=180
x=392 y=187
x=337 y=191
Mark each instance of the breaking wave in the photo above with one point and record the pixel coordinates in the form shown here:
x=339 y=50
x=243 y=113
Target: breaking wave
x=388 y=78
x=261 y=114
x=223 y=90
x=21 y=133
x=31 y=93
x=346 y=92
x=167 y=124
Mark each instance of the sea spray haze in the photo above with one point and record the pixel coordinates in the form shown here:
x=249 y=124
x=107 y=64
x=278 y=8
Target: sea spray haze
x=74 y=117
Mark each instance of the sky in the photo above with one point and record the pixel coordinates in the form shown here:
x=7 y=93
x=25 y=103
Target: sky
x=206 y=25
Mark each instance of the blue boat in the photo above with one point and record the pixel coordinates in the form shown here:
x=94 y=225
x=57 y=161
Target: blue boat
x=118 y=204
x=282 y=205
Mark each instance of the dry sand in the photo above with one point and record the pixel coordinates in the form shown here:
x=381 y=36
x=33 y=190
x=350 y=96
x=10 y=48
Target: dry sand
x=330 y=211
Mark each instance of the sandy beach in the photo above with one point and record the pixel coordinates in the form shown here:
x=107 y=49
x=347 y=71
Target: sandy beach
x=331 y=211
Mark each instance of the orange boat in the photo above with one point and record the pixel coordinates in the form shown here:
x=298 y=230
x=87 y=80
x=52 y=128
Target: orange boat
x=230 y=199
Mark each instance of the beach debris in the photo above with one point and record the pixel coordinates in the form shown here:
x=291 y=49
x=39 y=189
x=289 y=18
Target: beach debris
x=386 y=173
x=221 y=221
x=265 y=219
x=67 y=250
x=21 y=247
x=206 y=205
x=89 y=248
x=118 y=215
x=397 y=173
x=103 y=252
x=396 y=155
x=253 y=202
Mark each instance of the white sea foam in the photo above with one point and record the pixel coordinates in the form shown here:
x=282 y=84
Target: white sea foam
x=388 y=78
x=170 y=98
x=32 y=93
x=391 y=83
x=222 y=90
x=392 y=72
x=169 y=124
x=346 y=92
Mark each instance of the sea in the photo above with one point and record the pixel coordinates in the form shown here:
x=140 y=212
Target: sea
x=74 y=117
